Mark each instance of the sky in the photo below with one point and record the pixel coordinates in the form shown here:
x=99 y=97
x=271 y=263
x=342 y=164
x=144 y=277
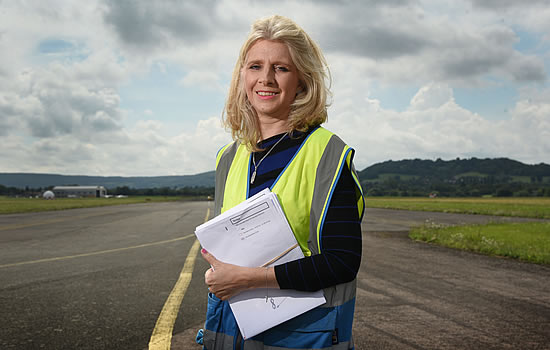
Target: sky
x=137 y=88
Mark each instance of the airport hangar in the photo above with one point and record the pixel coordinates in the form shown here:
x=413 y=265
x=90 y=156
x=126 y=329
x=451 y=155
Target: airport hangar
x=79 y=191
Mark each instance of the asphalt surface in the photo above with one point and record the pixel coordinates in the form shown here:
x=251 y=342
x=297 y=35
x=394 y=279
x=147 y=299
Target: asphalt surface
x=110 y=299
x=413 y=295
x=98 y=278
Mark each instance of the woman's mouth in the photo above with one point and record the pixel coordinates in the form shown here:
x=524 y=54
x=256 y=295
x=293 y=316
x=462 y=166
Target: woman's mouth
x=266 y=94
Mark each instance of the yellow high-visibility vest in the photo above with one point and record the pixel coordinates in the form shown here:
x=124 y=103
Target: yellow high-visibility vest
x=304 y=187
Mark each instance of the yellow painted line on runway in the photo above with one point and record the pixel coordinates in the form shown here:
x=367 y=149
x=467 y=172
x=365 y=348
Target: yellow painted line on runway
x=161 y=339
x=96 y=253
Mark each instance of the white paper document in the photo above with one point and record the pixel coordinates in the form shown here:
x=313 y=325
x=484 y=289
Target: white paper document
x=256 y=233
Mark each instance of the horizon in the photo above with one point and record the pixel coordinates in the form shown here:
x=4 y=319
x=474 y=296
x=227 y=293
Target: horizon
x=210 y=171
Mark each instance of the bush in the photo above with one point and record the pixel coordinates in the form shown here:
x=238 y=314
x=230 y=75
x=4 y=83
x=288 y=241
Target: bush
x=504 y=192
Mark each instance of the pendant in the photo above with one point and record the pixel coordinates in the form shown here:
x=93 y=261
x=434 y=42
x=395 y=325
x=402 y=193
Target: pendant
x=253 y=177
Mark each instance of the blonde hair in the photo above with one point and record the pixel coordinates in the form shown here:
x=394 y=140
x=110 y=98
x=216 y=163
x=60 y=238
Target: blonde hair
x=310 y=106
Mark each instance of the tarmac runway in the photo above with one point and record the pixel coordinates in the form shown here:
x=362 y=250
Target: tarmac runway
x=102 y=278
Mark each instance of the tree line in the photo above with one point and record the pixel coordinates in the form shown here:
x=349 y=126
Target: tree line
x=391 y=186
x=190 y=191
x=464 y=187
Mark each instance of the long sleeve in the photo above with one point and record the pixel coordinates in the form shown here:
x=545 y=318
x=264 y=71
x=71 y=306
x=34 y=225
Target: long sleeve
x=340 y=255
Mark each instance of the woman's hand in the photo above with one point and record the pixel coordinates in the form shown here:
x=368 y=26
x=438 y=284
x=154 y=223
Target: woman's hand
x=225 y=280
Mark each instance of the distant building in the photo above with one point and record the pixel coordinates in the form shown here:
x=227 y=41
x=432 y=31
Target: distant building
x=79 y=191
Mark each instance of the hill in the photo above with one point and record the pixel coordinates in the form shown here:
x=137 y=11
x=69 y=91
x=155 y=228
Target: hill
x=459 y=177
x=32 y=180
x=442 y=169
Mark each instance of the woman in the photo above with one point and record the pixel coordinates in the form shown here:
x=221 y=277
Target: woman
x=276 y=103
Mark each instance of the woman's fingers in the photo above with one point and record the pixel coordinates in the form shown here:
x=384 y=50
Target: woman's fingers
x=216 y=276
x=224 y=280
x=209 y=258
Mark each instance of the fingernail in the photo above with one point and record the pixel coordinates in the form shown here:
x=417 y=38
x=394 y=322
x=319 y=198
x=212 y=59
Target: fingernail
x=203 y=251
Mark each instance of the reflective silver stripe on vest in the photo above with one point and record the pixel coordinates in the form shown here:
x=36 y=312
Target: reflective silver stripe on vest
x=328 y=166
x=217 y=341
x=339 y=294
x=222 y=170
x=221 y=341
x=257 y=345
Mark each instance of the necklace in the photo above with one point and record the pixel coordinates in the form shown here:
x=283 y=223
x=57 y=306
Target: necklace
x=253 y=177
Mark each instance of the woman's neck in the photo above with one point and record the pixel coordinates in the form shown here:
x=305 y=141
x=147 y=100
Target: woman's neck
x=270 y=129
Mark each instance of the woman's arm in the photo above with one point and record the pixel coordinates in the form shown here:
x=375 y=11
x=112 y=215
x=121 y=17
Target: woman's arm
x=341 y=244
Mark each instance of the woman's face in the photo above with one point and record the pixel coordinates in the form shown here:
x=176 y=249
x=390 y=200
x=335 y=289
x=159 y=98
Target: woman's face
x=271 y=79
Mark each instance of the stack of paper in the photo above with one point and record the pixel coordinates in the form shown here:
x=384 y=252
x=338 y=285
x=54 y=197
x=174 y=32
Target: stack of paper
x=256 y=233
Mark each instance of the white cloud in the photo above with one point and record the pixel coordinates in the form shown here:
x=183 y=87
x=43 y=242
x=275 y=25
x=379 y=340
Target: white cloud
x=57 y=99
x=144 y=150
x=206 y=80
x=63 y=65
x=435 y=126
x=432 y=96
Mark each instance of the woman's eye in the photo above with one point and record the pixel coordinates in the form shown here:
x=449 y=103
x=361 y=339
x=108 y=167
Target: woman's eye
x=254 y=66
x=281 y=68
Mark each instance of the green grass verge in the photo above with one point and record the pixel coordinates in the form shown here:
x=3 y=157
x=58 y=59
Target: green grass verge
x=525 y=241
x=10 y=205
x=522 y=207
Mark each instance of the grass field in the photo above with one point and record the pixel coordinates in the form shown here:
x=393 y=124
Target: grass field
x=525 y=241
x=10 y=205
x=535 y=207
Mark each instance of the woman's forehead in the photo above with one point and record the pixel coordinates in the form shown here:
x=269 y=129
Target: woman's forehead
x=269 y=49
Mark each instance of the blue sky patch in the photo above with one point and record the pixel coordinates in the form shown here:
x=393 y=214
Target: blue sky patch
x=50 y=46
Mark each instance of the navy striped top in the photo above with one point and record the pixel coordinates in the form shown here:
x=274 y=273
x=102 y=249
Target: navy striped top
x=341 y=234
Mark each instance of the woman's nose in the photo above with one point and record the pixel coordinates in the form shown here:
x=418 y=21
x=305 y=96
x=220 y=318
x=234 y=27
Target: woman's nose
x=268 y=76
